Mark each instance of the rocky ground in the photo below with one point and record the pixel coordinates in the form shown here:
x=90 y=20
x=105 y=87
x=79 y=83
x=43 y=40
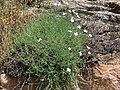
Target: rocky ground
x=102 y=20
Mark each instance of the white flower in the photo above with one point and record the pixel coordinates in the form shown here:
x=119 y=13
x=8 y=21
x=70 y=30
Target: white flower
x=72 y=19
x=25 y=45
x=64 y=13
x=39 y=39
x=70 y=36
x=88 y=47
x=42 y=79
x=77 y=16
x=55 y=4
x=69 y=49
x=89 y=53
x=68 y=70
x=69 y=31
x=76 y=33
x=85 y=31
x=69 y=11
x=90 y=35
x=73 y=11
x=79 y=27
x=80 y=53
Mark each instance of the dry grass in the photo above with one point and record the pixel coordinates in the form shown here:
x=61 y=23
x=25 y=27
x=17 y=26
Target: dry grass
x=10 y=19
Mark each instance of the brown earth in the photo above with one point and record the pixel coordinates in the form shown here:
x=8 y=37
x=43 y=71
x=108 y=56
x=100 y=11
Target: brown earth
x=102 y=19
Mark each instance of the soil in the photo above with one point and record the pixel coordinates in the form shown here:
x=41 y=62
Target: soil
x=104 y=44
x=102 y=19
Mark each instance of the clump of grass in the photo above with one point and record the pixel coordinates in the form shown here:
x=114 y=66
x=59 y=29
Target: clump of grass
x=50 y=48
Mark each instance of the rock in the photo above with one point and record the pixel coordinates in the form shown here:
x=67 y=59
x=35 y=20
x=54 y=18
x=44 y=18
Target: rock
x=8 y=83
x=109 y=73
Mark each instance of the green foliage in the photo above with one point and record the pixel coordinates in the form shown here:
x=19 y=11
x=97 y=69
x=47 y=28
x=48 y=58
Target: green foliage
x=45 y=48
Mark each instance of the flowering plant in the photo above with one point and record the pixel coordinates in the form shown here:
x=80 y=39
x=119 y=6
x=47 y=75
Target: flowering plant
x=49 y=51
